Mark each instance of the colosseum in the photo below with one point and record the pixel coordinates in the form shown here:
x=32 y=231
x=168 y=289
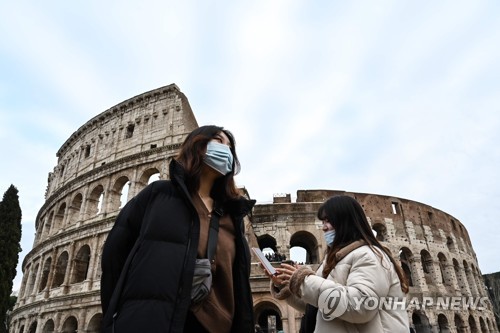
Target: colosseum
x=116 y=154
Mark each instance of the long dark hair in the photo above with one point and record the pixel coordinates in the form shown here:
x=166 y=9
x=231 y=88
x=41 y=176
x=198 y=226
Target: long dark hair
x=191 y=158
x=349 y=220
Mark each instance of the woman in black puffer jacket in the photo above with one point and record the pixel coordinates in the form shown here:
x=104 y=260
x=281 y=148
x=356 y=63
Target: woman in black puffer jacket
x=148 y=259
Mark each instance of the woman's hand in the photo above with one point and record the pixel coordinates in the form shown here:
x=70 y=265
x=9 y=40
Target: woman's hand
x=285 y=273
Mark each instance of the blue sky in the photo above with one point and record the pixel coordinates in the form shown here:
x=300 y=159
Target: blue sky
x=389 y=97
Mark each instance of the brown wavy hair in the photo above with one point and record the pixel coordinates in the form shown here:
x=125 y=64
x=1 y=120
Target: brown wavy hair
x=349 y=220
x=191 y=157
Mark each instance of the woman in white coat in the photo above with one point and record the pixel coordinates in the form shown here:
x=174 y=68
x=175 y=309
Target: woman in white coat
x=359 y=287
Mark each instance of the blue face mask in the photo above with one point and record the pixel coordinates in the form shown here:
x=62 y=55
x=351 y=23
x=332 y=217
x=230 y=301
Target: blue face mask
x=329 y=237
x=219 y=157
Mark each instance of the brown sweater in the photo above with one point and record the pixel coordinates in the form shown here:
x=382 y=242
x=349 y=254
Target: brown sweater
x=216 y=312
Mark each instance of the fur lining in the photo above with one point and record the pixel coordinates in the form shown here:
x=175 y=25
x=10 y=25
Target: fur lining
x=280 y=292
x=298 y=278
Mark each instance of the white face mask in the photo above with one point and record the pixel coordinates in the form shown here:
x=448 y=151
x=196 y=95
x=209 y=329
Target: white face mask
x=329 y=237
x=219 y=157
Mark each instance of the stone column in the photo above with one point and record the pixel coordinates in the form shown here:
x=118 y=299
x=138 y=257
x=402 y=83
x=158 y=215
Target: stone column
x=417 y=273
x=471 y=281
x=69 y=267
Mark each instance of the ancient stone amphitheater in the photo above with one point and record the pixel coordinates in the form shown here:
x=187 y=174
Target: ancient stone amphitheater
x=117 y=153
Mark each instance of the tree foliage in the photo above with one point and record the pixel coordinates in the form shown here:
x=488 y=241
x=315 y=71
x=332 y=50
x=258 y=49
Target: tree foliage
x=10 y=238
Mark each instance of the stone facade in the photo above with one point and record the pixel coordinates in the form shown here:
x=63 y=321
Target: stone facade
x=492 y=282
x=433 y=247
x=117 y=153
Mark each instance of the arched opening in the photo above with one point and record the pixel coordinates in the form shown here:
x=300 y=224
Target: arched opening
x=482 y=324
x=94 y=201
x=48 y=327
x=47 y=225
x=405 y=257
x=427 y=266
x=21 y=329
x=81 y=264
x=94 y=325
x=59 y=218
x=460 y=278
x=267 y=241
x=308 y=243
x=149 y=176
x=74 y=209
x=447 y=274
x=472 y=325
x=444 y=327
x=268 y=317
x=421 y=322
x=451 y=244
x=70 y=325
x=33 y=327
x=380 y=232
x=118 y=196
x=60 y=270
x=45 y=274
x=459 y=324
x=470 y=279
x=32 y=279
x=154 y=178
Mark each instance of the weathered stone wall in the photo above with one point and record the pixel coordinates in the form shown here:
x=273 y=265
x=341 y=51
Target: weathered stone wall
x=105 y=157
x=492 y=282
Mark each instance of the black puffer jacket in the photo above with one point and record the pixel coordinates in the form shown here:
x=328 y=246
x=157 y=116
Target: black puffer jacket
x=153 y=293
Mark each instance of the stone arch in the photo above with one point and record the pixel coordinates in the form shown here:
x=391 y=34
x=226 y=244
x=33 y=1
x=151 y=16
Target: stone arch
x=472 y=324
x=268 y=316
x=57 y=224
x=48 y=327
x=381 y=232
x=47 y=224
x=81 y=265
x=32 y=279
x=33 y=326
x=267 y=241
x=461 y=279
x=60 y=270
x=421 y=322
x=470 y=278
x=94 y=325
x=427 y=266
x=405 y=257
x=21 y=329
x=148 y=176
x=45 y=274
x=116 y=200
x=482 y=325
x=309 y=243
x=444 y=326
x=446 y=271
x=94 y=201
x=74 y=209
x=491 y=325
x=450 y=243
x=459 y=323
x=70 y=325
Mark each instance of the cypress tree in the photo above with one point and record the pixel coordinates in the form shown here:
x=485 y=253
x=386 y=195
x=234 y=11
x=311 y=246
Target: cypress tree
x=10 y=238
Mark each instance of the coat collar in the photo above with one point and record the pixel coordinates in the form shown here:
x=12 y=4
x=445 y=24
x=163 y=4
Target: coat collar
x=238 y=207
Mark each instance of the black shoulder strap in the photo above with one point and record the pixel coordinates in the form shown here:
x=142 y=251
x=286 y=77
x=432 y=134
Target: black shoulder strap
x=213 y=234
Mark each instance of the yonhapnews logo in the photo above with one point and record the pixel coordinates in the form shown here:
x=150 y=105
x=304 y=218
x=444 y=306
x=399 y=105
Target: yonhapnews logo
x=332 y=303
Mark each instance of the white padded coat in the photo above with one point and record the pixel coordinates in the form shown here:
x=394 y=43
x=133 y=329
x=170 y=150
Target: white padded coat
x=360 y=275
